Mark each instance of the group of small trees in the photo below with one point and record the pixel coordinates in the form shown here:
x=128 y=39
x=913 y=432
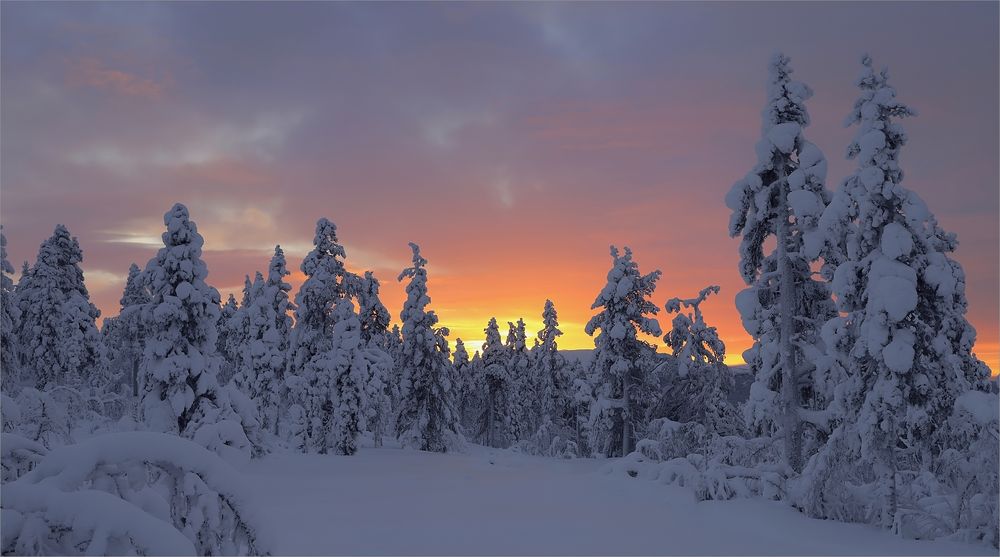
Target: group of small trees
x=862 y=349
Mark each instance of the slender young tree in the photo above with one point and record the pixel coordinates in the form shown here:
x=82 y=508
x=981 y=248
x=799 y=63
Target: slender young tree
x=784 y=308
x=59 y=341
x=427 y=416
x=224 y=346
x=495 y=427
x=555 y=383
x=523 y=410
x=124 y=335
x=622 y=362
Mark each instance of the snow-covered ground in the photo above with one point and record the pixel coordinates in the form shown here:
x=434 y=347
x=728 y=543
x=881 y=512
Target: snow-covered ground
x=393 y=501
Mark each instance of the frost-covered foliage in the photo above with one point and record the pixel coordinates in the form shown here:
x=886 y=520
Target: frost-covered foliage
x=131 y=493
x=308 y=381
x=698 y=386
x=496 y=427
x=124 y=335
x=180 y=394
x=622 y=363
x=427 y=418
x=783 y=308
x=902 y=336
x=58 y=340
x=10 y=319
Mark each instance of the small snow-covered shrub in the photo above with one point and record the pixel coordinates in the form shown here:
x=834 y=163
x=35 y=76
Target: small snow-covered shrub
x=37 y=416
x=146 y=481
x=18 y=455
x=716 y=468
x=42 y=520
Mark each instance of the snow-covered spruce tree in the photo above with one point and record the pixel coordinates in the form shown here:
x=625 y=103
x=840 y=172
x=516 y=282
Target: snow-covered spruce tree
x=460 y=361
x=258 y=334
x=58 y=339
x=378 y=387
x=10 y=317
x=525 y=407
x=180 y=394
x=350 y=376
x=495 y=422
x=427 y=417
x=783 y=308
x=555 y=384
x=473 y=395
x=309 y=384
x=227 y=365
x=622 y=363
x=902 y=333
x=124 y=335
x=698 y=388
x=271 y=328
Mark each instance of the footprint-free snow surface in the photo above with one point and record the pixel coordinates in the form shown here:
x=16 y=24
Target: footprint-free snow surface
x=488 y=502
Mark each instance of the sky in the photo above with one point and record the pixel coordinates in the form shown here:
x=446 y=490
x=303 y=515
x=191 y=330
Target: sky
x=515 y=142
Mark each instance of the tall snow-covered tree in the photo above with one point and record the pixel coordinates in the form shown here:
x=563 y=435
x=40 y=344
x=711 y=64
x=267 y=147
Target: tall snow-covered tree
x=622 y=362
x=10 y=317
x=59 y=341
x=495 y=423
x=427 y=417
x=783 y=308
x=699 y=389
x=180 y=393
x=902 y=336
x=309 y=384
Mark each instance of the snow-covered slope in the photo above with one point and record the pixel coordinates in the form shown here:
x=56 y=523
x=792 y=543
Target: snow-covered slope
x=390 y=501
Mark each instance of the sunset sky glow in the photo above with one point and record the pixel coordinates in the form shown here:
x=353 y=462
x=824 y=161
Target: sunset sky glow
x=513 y=142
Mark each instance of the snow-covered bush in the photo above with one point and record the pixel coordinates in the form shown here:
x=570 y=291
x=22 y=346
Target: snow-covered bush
x=38 y=417
x=714 y=467
x=18 y=455
x=119 y=493
x=42 y=520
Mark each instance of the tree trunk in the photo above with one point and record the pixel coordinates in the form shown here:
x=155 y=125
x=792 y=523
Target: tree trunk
x=792 y=426
x=626 y=417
